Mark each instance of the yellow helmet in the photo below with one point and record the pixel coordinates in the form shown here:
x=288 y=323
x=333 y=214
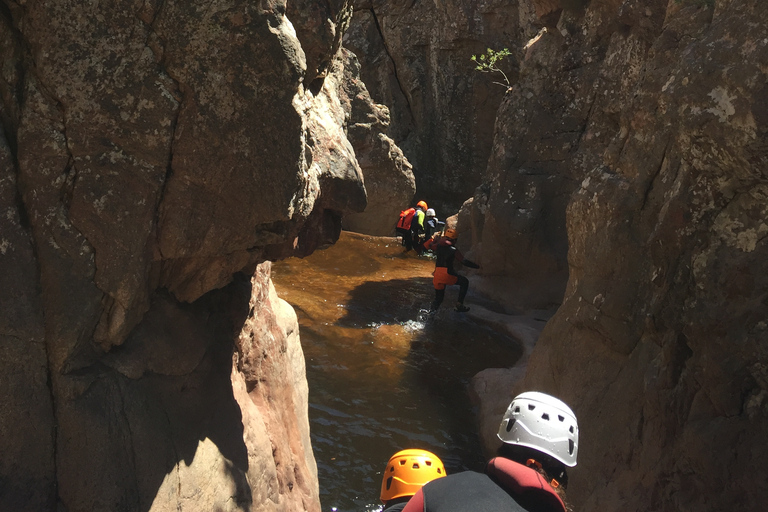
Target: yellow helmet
x=407 y=471
x=450 y=233
x=422 y=205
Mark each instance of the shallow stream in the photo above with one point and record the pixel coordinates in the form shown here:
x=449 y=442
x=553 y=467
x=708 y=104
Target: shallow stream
x=382 y=375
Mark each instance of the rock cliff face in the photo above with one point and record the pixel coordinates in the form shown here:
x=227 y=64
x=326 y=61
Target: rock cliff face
x=388 y=174
x=415 y=58
x=634 y=142
x=150 y=151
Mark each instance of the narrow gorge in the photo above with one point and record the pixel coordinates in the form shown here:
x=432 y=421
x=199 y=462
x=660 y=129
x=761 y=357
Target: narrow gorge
x=157 y=156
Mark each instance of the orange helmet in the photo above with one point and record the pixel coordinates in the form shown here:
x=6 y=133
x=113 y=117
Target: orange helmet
x=422 y=205
x=450 y=233
x=407 y=471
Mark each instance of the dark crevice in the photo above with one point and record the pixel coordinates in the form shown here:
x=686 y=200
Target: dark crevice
x=394 y=65
x=68 y=187
x=652 y=180
x=132 y=450
x=9 y=113
x=177 y=95
x=55 y=433
x=584 y=126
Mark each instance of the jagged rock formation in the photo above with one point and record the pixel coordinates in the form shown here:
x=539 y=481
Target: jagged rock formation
x=636 y=138
x=415 y=59
x=388 y=174
x=150 y=152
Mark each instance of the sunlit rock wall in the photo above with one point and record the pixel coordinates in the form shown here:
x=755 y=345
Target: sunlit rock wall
x=635 y=144
x=415 y=58
x=153 y=155
x=389 y=179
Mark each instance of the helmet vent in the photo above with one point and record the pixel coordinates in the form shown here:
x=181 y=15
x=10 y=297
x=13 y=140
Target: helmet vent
x=545 y=416
x=402 y=462
x=560 y=418
x=389 y=482
x=510 y=424
x=571 y=429
x=531 y=407
x=570 y=446
x=415 y=465
x=439 y=471
x=517 y=409
x=428 y=462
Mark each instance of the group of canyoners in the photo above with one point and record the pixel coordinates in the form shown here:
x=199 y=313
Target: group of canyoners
x=539 y=433
x=422 y=231
x=540 y=440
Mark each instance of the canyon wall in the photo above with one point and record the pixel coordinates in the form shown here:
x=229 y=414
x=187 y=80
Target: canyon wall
x=629 y=180
x=416 y=59
x=154 y=155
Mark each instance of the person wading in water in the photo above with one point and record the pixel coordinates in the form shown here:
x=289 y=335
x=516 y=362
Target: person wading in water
x=410 y=226
x=445 y=275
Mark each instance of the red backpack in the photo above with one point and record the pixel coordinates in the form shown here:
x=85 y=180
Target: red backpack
x=406 y=216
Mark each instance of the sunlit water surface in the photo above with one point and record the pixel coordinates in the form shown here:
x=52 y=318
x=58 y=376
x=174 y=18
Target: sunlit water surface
x=382 y=375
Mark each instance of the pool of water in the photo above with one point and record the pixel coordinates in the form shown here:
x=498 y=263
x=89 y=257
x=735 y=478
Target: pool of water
x=383 y=376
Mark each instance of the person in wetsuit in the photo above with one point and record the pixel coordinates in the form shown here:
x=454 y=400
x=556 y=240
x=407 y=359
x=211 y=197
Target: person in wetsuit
x=540 y=439
x=406 y=472
x=445 y=275
x=417 y=224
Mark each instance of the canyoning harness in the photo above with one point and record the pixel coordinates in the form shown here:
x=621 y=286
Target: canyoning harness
x=505 y=486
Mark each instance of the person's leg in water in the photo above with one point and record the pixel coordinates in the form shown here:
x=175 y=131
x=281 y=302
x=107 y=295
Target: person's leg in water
x=439 y=296
x=463 y=283
x=408 y=240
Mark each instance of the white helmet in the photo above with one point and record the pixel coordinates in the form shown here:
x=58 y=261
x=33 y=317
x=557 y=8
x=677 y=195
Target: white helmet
x=430 y=212
x=544 y=423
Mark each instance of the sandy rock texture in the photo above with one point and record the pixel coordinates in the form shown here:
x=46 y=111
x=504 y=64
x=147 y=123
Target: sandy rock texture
x=629 y=172
x=415 y=59
x=153 y=156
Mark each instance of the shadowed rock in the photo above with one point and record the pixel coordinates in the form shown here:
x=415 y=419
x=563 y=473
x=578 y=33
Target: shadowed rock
x=635 y=138
x=149 y=153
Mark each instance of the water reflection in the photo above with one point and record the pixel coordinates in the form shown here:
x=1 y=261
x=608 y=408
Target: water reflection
x=382 y=375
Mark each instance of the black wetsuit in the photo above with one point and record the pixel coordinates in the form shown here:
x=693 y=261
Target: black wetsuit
x=446 y=253
x=506 y=486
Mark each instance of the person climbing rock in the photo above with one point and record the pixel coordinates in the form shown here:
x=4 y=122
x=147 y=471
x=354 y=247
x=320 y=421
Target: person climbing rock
x=445 y=275
x=410 y=225
x=540 y=439
x=406 y=472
